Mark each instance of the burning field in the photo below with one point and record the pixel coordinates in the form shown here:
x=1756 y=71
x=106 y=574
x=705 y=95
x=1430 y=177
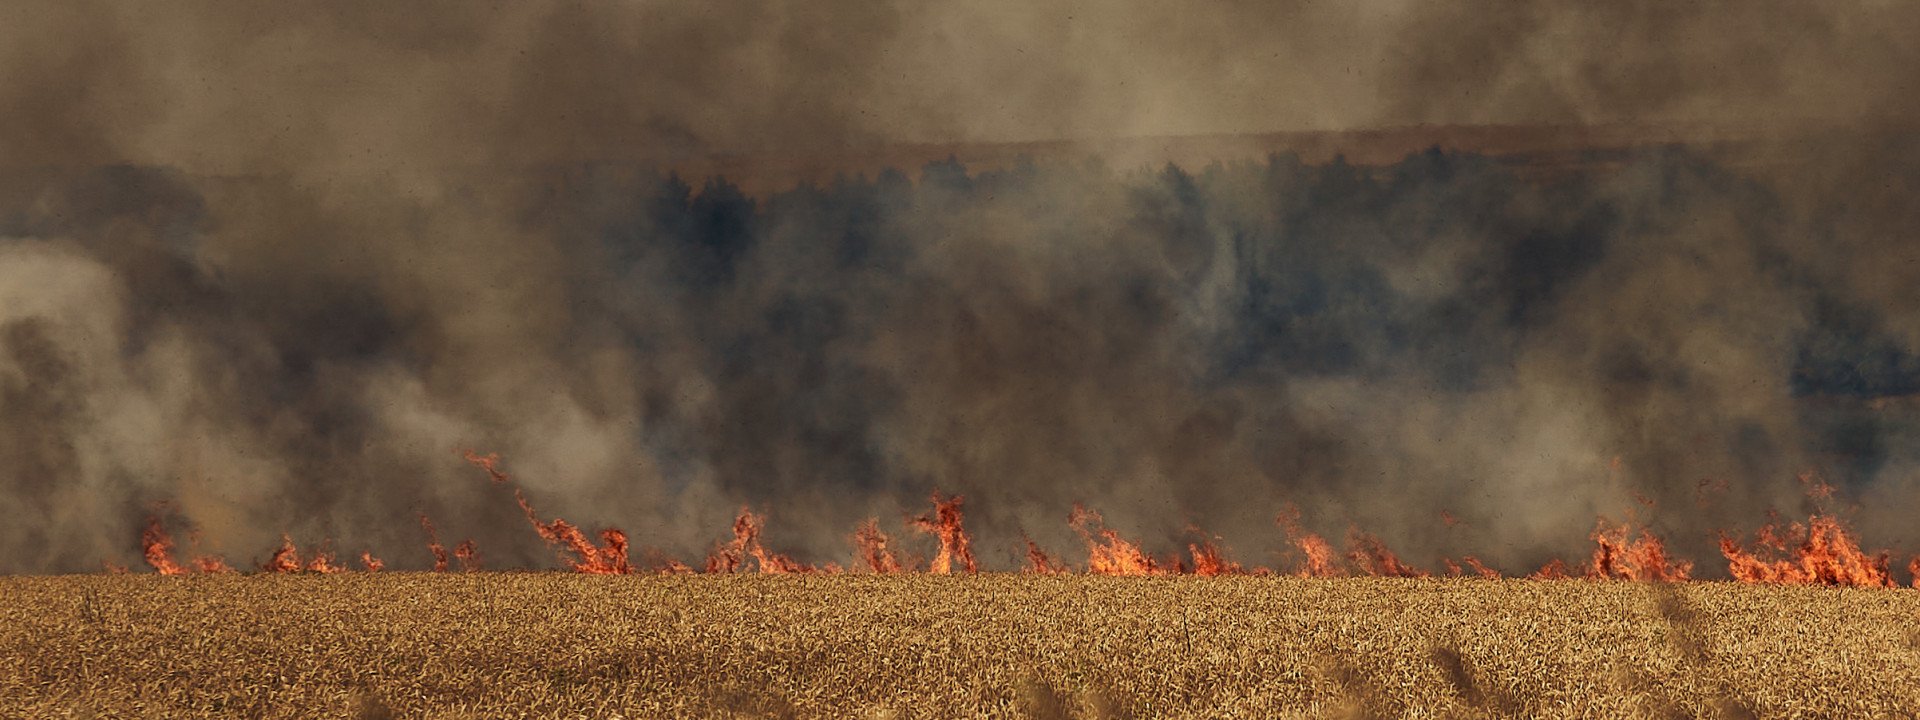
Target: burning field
x=1812 y=627
x=658 y=359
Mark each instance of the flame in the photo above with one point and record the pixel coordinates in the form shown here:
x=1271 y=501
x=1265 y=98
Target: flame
x=284 y=560
x=771 y=563
x=1816 y=488
x=433 y=545
x=955 y=546
x=1819 y=552
x=607 y=558
x=1039 y=562
x=158 y=547
x=489 y=462
x=872 y=544
x=1616 y=557
x=662 y=563
x=1474 y=564
x=1208 y=561
x=322 y=562
x=212 y=565
x=1110 y=554
x=675 y=567
x=1319 y=559
x=469 y=555
x=1825 y=554
x=1556 y=570
x=1372 y=557
x=730 y=556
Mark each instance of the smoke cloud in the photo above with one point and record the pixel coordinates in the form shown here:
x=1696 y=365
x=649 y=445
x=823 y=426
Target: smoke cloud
x=268 y=270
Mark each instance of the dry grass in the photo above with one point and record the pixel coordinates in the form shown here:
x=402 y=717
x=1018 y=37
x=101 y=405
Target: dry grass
x=555 y=645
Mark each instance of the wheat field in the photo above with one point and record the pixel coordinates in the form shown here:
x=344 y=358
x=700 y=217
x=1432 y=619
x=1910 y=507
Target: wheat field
x=551 y=645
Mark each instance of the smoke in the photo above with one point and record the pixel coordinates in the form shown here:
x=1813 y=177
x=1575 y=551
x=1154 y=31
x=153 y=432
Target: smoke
x=273 y=268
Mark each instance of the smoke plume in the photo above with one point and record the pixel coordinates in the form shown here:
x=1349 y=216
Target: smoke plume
x=270 y=270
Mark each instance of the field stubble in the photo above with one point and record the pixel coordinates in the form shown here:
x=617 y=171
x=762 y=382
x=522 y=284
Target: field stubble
x=996 y=645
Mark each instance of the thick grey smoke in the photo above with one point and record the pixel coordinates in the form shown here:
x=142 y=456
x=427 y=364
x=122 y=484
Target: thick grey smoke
x=275 y=268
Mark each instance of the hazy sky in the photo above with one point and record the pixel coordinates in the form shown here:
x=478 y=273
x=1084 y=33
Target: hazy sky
x=230 y=87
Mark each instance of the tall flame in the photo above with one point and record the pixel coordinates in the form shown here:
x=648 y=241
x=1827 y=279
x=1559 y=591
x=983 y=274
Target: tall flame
x=607 y=558
x=1317 y=556
x=874 y=550
x=433 y=544
x=956 y=549
x=158 y=547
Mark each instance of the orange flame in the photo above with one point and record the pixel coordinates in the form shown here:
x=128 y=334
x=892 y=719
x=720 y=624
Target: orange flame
x=670 y=566
x=1474 y=564
x=1110 y=554
x=1038 y=561
x=158 y=547
x=469 y=555
x=872 y=544
x=1318 y=557
x=771 y=563
x=1816 y=488
x=489 y=462
x=955 y=546
x=729 y=557
x=1372 y=557
x=1208 y=561
x=1821 y=551
x=1556 y=570
x=284 y=560
x=1826 y=554
x=433 y=545
x=1616 y=557
x=322 y=562
x=212 y=565
x=607 y=558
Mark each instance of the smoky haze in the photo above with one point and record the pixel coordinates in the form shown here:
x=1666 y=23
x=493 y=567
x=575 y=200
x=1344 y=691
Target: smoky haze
x=268 y=270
